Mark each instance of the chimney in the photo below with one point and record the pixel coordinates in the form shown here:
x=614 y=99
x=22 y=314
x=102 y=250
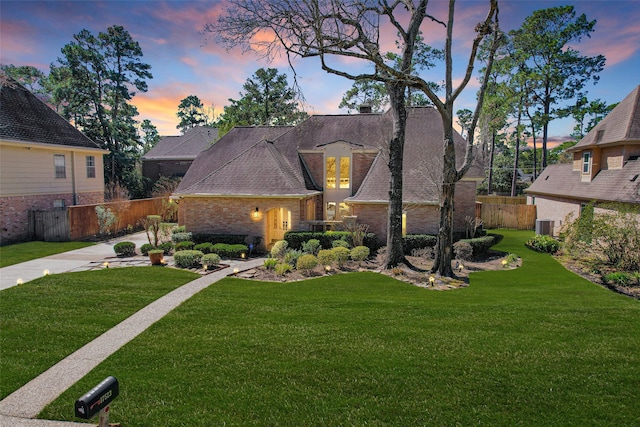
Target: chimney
x=365 y=109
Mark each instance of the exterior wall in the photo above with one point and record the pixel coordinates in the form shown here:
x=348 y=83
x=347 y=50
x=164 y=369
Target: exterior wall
x=361 y=165
x=154 y=169
x=28 y=182
x=30 y=170
x=233 y=215
x=612 y=157
x=555 y=209
x=315 y=163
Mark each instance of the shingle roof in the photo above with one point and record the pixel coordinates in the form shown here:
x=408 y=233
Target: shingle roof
x=621 y=185
x=266 y=161
x=229 y=147
x=183 y=147
x=621 y=125
x=422 y=162
x=24 y=118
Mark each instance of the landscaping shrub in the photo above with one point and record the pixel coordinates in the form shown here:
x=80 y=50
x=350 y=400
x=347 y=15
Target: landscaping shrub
x=410 y=242
x=236 y=251
x=291 y=256
x=326 y=256
x=306 y=263
x=542 y=243
x=296 y=239
x=463 y=250
x=205 y=248
x=229 y=251
x=183 y=246
x=340 y=244
x=481 y=245
x=270 y=263
x=144 y=249
x=179 y=229
x=166 y=247
x=213 y=238
x=187 y=258
x=283 y=268
x=311 y=246
x=279 y=249
x=210 y=260
x=359 y=253
x=181 y=237
x=341 y=255
x=125 y=249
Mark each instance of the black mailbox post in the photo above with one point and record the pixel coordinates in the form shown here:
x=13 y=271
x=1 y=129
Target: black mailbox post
x=97 y=400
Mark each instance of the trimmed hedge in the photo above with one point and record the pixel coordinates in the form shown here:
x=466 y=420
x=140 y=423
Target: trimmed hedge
x=183 y=246
x=125 y=249
x=144 y=249
x=229 y=251
x=166 y=247
x=213 y=238
x=481 y=245
x=210 y=260
x=417 y=241
x=205 y=248
x=187 y=259
x=296 y=239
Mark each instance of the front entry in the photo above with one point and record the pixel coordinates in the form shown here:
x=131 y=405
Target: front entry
x=278 y=223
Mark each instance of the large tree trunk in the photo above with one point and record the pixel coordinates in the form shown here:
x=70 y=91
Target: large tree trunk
x=395 y=253
x=444 y=245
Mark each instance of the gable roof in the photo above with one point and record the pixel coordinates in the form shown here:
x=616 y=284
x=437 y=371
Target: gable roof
x=183 y=147
x=621 y=125
x=264 y=161
x=610 y=185
x=26 y=119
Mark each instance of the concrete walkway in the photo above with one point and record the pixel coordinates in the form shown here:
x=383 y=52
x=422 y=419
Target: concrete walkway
x=42 y=390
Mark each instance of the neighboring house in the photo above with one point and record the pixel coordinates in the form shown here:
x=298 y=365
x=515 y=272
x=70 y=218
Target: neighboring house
x=264 y=181
x=172 y=155
x=605 y=168
x=45 y=162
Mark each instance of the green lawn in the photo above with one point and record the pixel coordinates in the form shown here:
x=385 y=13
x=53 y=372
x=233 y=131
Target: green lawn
x=21 y=252
x=49 y=318
x=533 y=346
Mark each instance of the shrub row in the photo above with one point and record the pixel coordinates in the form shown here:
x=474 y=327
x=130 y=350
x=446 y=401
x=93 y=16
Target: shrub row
x=224 y=250
x=417 y=241
x=480 y=245
x=213 y=238
x=296 y=239
x=542 y=243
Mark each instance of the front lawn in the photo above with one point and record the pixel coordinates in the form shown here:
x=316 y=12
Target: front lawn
x=47 y=319
x=21 y=252
x=533 y=346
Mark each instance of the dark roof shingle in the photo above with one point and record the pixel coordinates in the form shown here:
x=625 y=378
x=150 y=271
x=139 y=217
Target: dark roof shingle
x=183 y=147
x=25 y=118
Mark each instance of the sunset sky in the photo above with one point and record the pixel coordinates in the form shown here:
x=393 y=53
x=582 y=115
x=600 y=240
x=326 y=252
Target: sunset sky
x=184 y=62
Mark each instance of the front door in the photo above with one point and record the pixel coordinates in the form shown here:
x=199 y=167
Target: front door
x=279 y=221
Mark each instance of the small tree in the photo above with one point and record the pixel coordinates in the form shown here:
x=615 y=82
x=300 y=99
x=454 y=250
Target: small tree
x=106 y=219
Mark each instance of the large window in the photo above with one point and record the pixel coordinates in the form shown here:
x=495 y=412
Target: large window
x=61 y=168
x=335 y=174
x=331 y=172
x=91 y=167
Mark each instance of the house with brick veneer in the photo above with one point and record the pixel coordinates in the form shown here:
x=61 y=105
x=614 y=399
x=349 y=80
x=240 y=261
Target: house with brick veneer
x=172 y=155
x=45 y=162
x=264 y=181
x=605 y=168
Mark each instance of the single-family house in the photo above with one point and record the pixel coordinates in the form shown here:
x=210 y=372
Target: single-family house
x=264 y=181
x=172 y=155
x=45 y=162
x=605 y=168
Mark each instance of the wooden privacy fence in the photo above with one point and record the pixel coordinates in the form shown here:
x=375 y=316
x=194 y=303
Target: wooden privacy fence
x=520 y=217
x=83 y=220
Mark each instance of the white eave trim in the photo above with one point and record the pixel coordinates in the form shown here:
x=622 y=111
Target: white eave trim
x=52 y=147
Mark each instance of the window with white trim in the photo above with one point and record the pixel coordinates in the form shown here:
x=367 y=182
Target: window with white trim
x=586 y=162
x=61 y=168
x=91 y=167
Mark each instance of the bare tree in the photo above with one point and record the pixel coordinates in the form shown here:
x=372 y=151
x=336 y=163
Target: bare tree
x=329 y=29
